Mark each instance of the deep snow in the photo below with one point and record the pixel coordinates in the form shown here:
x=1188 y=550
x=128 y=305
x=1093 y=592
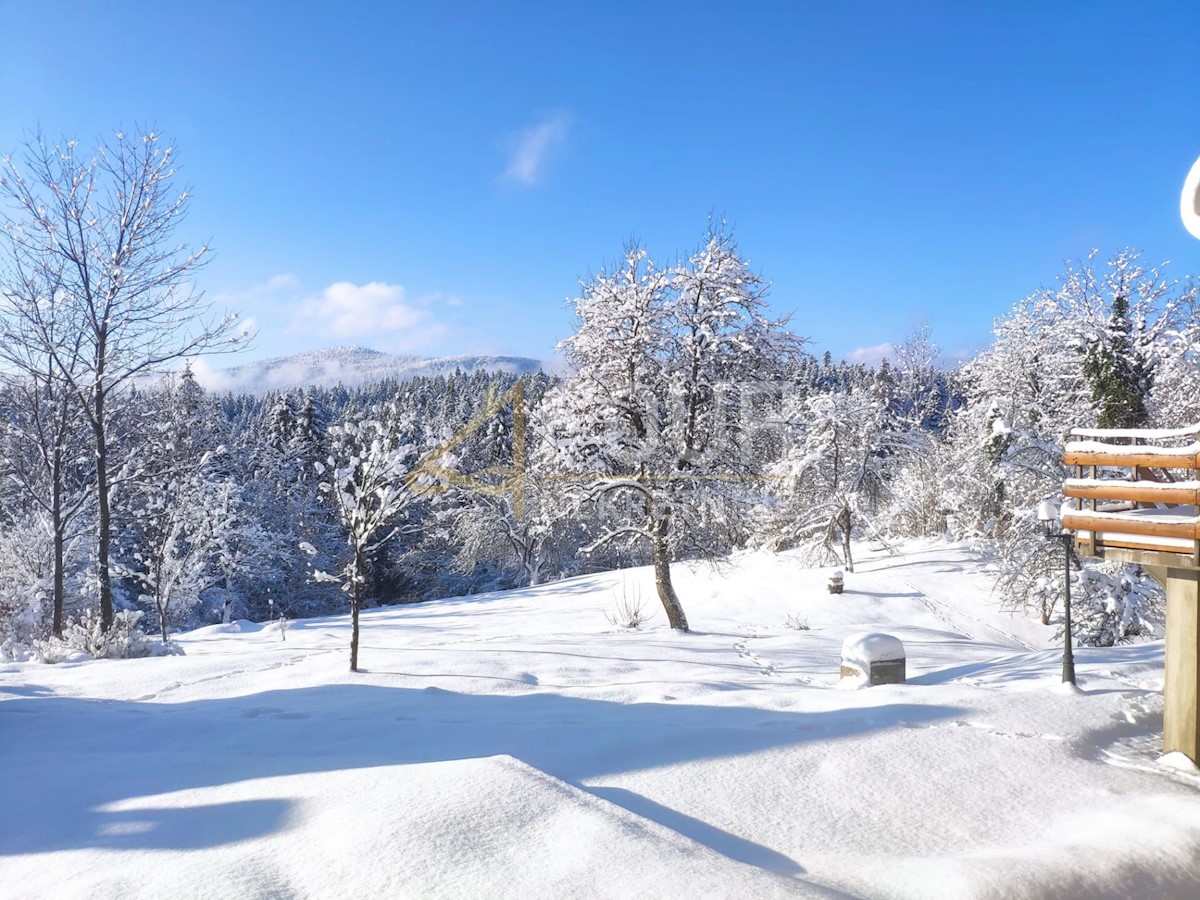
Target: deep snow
x=519 y=745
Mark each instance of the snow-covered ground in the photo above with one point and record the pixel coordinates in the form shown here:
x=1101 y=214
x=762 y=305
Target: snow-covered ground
x=519 y=745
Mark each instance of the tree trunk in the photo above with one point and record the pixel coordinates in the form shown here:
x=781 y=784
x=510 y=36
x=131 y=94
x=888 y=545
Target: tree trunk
x=354 y=631
x=227 y=607
x=662 y=578
x=845 y=523
x=162 y=622
x=59 y=587
x=60 y=519
x=354 y=604
x=104 y=522
x=533 y=564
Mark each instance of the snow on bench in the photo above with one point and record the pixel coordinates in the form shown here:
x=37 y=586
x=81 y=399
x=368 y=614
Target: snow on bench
x=1137 y=497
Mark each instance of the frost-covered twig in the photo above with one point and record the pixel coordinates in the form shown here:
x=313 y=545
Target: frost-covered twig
x=630 y=608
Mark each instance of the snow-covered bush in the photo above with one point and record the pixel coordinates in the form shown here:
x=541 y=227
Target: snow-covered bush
x=631 y=609
x=1117 y=603
x=1111 y=603
x=26 y=559
x=124 y=640
x=917 y=506
x=795 y=622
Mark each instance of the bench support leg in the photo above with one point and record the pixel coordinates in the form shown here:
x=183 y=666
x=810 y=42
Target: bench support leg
x=1181 y=691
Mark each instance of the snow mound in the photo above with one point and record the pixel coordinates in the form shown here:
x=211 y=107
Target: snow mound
x=1177 y=760
x=513 y=745
x=490 y=827
x=871 y=647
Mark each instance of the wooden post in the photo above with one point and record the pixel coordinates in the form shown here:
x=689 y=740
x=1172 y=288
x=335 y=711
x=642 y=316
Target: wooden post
x=1181 y=691
x=1092 y=535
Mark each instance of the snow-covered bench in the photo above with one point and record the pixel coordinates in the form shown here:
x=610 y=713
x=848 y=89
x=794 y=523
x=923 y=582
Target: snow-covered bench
x=1135 y=498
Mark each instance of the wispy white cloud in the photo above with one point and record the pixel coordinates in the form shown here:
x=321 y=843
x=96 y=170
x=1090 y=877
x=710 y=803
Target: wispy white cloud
x=383 y=313
x=871 y=355
x=530 y=150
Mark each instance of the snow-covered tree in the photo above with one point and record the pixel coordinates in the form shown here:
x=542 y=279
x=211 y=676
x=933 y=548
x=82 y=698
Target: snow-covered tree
x=26 y=579
x=245 y=549
x=648 y=422
x=1071 y=356
x=1174 y=401
x=182 y=528
x=42 y=458
x=502 y=513
x=43 y=468
x=172 y=503
x=920 y=399
x=487 y=528
x=1120 y=358
x=835 y=474
x=99 y=226
x=367 y=482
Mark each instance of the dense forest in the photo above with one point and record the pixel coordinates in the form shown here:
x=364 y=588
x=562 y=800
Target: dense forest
x=690 y=426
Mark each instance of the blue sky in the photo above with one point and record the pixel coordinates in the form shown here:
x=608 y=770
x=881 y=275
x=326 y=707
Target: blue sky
x=436 y=177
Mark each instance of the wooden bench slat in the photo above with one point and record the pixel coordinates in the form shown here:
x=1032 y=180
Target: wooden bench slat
x=1180 y=459
x=1123 y=523
x=1137 y=491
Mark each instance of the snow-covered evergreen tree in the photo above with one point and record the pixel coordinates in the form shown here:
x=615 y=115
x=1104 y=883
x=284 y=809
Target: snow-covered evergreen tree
x=1071 y=356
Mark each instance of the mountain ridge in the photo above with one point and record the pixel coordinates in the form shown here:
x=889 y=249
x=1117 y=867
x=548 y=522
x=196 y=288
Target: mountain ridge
x=351 y=366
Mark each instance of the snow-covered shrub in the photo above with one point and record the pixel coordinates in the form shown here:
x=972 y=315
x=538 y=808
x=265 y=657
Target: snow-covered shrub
x=124 y=640
x=26 y=555
x=1117 y=603
x=631 y=611
x=168 y=648
x=796 y=623
x=916 y=506
x=1111 y=603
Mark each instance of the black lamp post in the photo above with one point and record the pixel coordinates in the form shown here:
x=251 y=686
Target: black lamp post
x=1048 y=515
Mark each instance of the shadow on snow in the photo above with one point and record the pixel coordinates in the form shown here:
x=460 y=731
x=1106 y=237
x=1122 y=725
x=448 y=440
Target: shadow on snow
x=65 y=759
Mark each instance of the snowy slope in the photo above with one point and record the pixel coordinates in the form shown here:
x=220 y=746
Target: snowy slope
x=518 y=745
x=349 y=366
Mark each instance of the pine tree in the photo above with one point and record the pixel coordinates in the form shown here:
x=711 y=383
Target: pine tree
x=1119 y=375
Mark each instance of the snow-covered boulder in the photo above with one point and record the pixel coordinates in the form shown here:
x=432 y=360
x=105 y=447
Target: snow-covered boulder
x=837 y=582
x=874 y=657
